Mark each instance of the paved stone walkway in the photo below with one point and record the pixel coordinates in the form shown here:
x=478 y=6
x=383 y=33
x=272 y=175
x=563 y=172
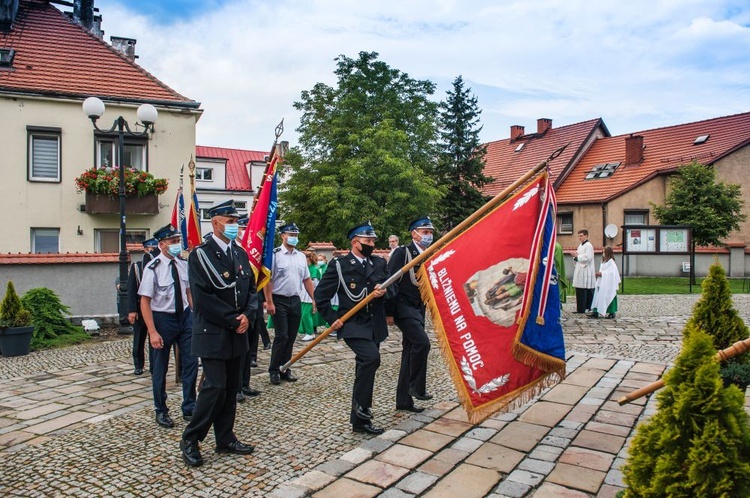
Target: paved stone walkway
x=76 y=422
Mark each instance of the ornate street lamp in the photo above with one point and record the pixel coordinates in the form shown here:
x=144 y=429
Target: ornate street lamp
x=147 y=114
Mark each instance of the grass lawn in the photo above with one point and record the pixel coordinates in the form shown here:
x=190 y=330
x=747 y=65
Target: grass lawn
x=673 y=285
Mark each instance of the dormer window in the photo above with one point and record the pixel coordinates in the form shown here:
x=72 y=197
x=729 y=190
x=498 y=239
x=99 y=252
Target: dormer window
x=6 y=57
x=520 y=146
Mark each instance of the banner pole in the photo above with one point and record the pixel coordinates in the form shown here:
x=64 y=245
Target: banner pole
x=736 y=349
x=428 y=252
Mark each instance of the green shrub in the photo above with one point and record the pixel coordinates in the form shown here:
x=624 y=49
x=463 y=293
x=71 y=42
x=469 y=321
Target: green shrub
x=51 y=327
x=12 y=311
x=698 y=442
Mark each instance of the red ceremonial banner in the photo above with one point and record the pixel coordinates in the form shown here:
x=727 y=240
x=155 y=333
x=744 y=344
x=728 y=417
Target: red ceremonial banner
x=479 y=289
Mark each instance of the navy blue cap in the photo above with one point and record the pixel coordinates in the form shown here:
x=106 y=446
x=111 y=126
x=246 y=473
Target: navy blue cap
x=423 y=222
x=226 y=208
x=243 y=221
x=152 y=242
x=362 y=230
x=289 y=228
x=166 y=232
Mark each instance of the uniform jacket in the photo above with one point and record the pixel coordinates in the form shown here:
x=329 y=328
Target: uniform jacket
x=369 y=322
x=404 y=300
x=134 y=281
x=215 y=309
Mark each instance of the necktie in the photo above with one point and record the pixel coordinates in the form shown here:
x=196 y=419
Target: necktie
x=178 y=305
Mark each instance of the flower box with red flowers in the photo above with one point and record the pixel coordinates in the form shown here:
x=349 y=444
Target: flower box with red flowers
x=102 y=188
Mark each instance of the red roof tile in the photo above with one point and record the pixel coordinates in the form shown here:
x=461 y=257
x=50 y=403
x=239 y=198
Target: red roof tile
x=237 y=177
x=505 y=165
x=40 y=259
x=56 y=56
x=664 y=150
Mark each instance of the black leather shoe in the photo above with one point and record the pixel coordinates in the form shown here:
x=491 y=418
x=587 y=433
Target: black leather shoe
x=236 y=448
x=275 y=379
x=187 y=417
x=254 y=364
x=368 y=428
x=240 y=398
x=138 y=371
x=266 y=347
x=288 y=376
x=190 y=453
x=412 y=408
x=362 y=412
x=421 y=397
x=247 y=391
x=164 y=420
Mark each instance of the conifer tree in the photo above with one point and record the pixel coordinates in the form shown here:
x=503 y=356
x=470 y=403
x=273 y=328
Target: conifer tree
x=460 y=169
x=698 y=442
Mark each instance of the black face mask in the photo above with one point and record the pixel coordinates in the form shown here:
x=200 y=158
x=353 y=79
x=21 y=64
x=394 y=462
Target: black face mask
x=155 y=252
x=366 y=250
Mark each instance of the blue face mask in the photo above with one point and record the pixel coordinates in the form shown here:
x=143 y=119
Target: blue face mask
x=292 y=241
x=231 y=231
x=175 y=249
x=321 y=263
x=426 y=241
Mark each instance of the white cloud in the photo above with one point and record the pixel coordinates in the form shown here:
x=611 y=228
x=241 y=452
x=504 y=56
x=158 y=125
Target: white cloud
x=638 y=65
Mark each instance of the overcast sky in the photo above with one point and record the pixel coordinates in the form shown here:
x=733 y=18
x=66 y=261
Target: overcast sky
x=636 y=64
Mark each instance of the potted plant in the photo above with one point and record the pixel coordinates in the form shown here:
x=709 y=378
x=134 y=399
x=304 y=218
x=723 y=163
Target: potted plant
x=102 y=188
x=15 y=324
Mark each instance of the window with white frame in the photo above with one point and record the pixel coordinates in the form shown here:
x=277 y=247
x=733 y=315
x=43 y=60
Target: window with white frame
x=134 y=154
x=108 y=240
x=44 y=154
x=565 y=223
x=45 y=240
x=204 y=174
x=636 y=217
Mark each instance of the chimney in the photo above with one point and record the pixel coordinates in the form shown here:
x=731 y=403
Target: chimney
x=8 y=11
x=543 y=125
x=633 y=149
x=516 y=132
x=126 y=46
x=83 y=13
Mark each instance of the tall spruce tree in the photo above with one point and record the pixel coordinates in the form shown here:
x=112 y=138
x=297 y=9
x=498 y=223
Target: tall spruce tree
x=367 y=149
x=460 y=169
x=698 y=442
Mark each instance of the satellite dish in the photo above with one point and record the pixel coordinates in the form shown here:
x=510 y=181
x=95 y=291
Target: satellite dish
x=610 y=231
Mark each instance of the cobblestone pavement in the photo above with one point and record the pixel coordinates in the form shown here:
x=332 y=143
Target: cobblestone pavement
x=76 y=422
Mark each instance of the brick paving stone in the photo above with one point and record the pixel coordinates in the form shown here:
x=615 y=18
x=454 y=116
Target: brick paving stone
x=427 y=440
x=480 y=433
x=59 y=422
x=376 y=444
x=580 y=478
x=39 y=411
x=546 y=453
x=466 y=444
x=466 y=481
x=15 y=437
x=451 y=455
x=615 y=418
x=630 y=408
x=567 y=394
x=608 y=491
x=394 y=493
x=525 y=477
x=521 y=436
x=436 y=467
x=586 y=377
x=600 y=442
x=615 y=430
x=600 y=363
x=356 y=456
x=458 y=414
x=536 y=466
x=511 y=489
x=450 y=427
x=286 y=491
x=392 y=435
x=590 y=459
x=550 y=490
x=404 y=456
x=378 y=473
x=649 y=368
x=494 y=456
x=335 y=467
x=417 y=482
x=349 y=489
x=580 y=414
x=313 y=480
x=545 y=413
x=615 y=478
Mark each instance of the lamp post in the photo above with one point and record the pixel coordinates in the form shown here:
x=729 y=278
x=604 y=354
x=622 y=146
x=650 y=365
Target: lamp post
x=147 y=114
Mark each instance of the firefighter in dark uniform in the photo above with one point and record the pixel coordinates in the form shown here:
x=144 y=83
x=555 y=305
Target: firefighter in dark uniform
x=140 y=333
x=352 y=277
x=223 y=287
x=406 y=309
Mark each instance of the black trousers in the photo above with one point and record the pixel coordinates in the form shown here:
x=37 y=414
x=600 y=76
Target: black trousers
x=285 y=322
x=140 y=334
x=414 y=353
x=367 y=361
x=258 y=331
x=217 y=402
x=584 y=298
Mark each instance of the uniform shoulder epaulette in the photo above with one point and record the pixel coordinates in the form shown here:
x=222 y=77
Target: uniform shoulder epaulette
x=154 y=264
x=277 y=249
x=378 y=257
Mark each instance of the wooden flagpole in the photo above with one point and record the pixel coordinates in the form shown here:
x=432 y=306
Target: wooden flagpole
x=428 y=251
x=736 y=349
